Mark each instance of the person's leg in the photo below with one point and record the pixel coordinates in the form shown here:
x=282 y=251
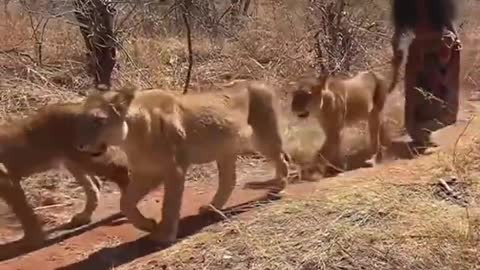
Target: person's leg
x=415 y=96
x=452 y=84
x=441 y=79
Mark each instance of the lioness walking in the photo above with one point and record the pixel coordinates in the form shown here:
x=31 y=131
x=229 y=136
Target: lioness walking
x=44 y=141
x=338 y=101
x=163 y=133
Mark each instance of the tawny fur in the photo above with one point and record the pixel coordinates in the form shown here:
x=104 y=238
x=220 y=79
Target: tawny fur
x=337 y=102
x=163 y=133
x=44 y=141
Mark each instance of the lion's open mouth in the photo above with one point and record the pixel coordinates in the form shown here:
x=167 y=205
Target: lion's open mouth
x=303 y=114
x=94 y=152
x=99 y=151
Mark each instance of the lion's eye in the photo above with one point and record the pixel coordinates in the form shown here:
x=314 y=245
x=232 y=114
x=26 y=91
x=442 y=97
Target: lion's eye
x=99 y=117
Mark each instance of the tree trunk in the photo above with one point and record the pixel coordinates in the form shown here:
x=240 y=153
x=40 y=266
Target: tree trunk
x=96 y=26
x=246 y=7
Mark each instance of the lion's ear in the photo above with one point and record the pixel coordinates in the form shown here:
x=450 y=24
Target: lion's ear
x=123 y=98
x=292 y=86
x=319 y=85
x=3 y=169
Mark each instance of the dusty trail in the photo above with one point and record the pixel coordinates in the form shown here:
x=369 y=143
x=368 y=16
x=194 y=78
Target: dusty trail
x=110 y=241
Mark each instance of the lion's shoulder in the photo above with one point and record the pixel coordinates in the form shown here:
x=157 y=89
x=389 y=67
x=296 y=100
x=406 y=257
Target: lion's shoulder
x=156 y=99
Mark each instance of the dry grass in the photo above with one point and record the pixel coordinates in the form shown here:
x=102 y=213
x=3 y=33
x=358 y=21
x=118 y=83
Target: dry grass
x=276 y=46
x=375 y=224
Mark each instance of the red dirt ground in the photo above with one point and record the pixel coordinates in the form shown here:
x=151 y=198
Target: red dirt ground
x=110 y=241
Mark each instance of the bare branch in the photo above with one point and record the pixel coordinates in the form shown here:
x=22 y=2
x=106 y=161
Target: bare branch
x=127 y=17
x=224 y=13
x=185 y=15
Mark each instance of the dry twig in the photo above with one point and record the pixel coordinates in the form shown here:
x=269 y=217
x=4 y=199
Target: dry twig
x=185 y=15
x=446 y=186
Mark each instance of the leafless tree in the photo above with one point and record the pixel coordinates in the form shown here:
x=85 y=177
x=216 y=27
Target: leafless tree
x=96 y=25
x=340 y=35
x=186 y=15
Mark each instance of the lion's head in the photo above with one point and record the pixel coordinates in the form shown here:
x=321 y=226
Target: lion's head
x=102 y=121
x=307 y=95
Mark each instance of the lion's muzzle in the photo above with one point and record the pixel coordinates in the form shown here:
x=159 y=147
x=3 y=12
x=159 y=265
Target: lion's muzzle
x=303 y=114
x=94 y=151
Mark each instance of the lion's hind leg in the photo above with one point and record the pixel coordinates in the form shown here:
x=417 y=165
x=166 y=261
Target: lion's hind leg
x=16 y=199
x=264 y=120
x=138 y=187
x=272 y=148
x=226 y=183
x=378 y=137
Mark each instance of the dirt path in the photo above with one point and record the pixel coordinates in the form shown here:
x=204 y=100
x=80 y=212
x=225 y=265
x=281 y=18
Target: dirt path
x=111 y=241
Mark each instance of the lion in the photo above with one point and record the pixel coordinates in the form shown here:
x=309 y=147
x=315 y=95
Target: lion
x=44 y=141
x=163 y=133
x=338 y=101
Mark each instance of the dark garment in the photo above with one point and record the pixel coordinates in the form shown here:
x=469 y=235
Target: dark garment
x=406 y=14
x=431 y=83
x=433 y=65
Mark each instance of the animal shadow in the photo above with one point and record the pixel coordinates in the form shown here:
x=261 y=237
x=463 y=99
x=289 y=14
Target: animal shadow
x=396 y=150
x=110 y=258
x=14 y=249
x=406 y=150
x=358 y=159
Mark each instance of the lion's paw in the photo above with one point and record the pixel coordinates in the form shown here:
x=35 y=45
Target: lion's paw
x=370 y=163
x=431 y=150
x=80 y=219
x=164 y=237
x=33 y=239
x=148 y=225
x=207 y=209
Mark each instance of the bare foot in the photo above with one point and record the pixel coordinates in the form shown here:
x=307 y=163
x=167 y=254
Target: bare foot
x=474 y=95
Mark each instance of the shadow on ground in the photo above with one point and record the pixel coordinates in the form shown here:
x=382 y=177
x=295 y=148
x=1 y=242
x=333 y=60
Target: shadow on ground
x=358 y=159
x=397 y=150
x=109 y=258
x=15 y=249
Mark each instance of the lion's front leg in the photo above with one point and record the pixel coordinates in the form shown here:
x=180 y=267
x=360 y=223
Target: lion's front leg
x=91 y=194
x=138 y=187
x=375 y=131
x=166 y=232
x=226 y=183
x=329 y=155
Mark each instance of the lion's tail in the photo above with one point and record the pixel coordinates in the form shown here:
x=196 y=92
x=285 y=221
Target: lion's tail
x=262 y=115
x=380 y=95
x=388 y=80
x=393 y=81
